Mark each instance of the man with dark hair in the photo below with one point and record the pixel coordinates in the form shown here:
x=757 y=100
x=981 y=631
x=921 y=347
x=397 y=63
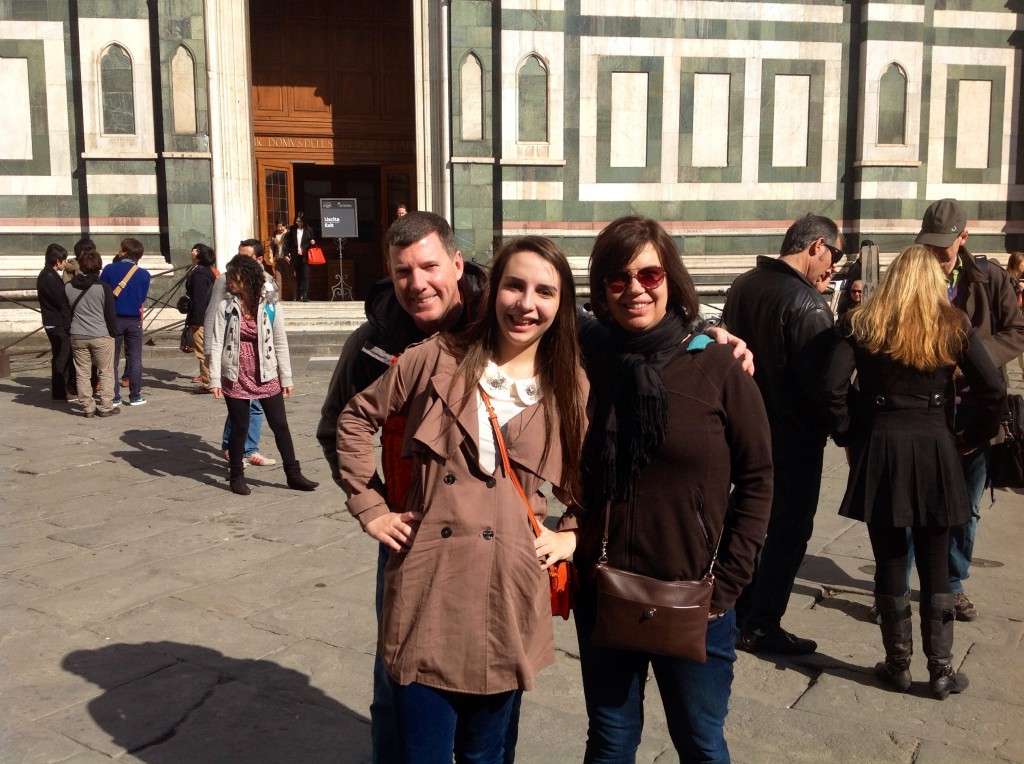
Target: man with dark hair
x=93 y=325
x=56 y=315
x=787 y=324
x=431 y=288
x=984 y=291
x=130 y=285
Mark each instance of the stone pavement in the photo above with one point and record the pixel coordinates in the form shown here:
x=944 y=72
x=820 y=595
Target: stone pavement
x=147 y=614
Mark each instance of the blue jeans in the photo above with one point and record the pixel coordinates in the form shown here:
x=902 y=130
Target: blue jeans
x=434 y=723
x=129 y=334
x=695 y=696
x=252 y=435
x=961 y=537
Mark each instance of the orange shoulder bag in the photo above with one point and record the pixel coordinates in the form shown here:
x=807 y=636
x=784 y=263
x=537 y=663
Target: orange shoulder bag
x=562 y=575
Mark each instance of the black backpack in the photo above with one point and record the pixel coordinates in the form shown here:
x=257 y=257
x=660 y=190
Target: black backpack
x=1006 y=463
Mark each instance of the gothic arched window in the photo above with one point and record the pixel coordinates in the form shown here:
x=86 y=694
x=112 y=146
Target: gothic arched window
x=892 y=106
x=533 y=100
x=117 y=89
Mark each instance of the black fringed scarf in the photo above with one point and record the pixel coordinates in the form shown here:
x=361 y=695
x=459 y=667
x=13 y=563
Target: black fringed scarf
x=638 y=416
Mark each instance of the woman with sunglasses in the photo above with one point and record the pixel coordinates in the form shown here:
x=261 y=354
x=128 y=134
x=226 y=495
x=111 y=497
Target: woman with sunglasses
x=466 y=621
x=674 y=422
x=905 y=462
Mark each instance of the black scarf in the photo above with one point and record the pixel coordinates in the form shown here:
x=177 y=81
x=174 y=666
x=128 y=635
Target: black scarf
x=638 y=414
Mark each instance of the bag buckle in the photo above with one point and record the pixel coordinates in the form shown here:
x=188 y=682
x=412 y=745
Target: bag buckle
x=649 y=613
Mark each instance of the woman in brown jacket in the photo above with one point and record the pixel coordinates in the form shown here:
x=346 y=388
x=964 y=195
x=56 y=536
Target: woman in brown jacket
x=466 y=622
x=675 y=423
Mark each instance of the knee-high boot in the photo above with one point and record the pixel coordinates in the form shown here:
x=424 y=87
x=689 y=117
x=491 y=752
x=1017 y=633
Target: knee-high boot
x=897 y=638
x=238 y=484
x=937 y=618
x=296 y=480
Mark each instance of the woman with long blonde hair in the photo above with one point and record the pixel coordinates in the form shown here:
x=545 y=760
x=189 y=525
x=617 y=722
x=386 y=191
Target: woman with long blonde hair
x=905 y=344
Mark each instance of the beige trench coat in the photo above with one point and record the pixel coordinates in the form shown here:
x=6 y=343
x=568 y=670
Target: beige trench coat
x=467 y=608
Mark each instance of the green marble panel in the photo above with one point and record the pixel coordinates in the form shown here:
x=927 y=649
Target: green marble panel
x=689 y=67
x=811 y=172
x=654 y=67
x=113 y=9
x=997 y=76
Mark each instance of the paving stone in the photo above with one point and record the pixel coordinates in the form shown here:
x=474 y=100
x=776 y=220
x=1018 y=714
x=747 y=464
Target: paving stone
x=28 y=742
x=314 y=532
x=33 y=552
x=119 y=531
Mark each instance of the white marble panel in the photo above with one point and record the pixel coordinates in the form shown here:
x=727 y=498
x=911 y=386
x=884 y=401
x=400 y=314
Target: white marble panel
x=121 y=184
x=710 y=9
x=95 y=35
x=629 y=119
x=710 y=120
x=16 y=115
x=472 y=99
x=58 y=182
x=878 y=55
x=1009 y=185
x=534 y=5
x=183 y=91
x=973 y=119
x=979 y=20
x=885 y=190
x=516 y=45
x=532 y=190
x=881 y=11
x=753 y=53
x=792 y=125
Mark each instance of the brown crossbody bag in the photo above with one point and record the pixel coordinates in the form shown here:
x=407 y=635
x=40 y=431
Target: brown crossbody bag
x=562 y=575
x=637 y=612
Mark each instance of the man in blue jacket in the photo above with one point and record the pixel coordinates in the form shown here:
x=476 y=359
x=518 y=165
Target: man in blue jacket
x=130 y=285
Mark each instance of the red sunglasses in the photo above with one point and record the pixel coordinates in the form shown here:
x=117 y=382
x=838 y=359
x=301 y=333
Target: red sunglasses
x=649 y=278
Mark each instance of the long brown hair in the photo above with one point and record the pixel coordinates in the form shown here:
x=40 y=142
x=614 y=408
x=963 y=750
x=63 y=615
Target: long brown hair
x=909 y=317
x=558 y=354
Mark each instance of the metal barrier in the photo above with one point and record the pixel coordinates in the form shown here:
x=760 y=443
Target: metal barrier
x=163 y=301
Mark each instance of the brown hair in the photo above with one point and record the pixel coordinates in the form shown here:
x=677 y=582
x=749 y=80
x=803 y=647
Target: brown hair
x=619 y=243
x=558 y=354
x=250 y=273
x=412 y=227
x=90 y=261
x=133 y=249
x=1015 y=265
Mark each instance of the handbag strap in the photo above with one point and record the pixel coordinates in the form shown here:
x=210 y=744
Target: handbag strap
x=603 y=559
x=505 y=463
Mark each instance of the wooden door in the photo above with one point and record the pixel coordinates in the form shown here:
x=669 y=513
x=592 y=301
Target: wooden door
x=276 y=192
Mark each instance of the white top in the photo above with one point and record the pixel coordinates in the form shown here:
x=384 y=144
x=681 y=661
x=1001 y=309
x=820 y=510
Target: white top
x=508 y=397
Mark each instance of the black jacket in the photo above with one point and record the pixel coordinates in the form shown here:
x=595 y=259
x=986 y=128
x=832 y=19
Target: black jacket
x=390 y=329
x=53 y=302
x=788 y=327
x=199 y=287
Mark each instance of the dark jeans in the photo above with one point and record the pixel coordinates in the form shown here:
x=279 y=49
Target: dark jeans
x=891 y=547
x=383 y=720
x=961 y=537
x=794 y=502
x=129 y=334
x=273 y=409
x=695 y=696
x=434 y=723
x=62 y=369
x=252 y=436
x=301 y=265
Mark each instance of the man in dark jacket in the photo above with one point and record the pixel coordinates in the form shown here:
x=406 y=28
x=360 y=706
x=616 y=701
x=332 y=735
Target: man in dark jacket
x=985 y=292
x=787 y=324
x=56 y=314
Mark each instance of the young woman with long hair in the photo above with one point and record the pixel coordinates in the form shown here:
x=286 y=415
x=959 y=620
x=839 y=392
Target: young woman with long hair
x=905 y=344
x=675 y=423
x=249 y=360
x=466 y=621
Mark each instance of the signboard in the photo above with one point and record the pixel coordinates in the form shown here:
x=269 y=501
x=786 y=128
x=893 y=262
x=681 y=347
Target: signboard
x=338 y=218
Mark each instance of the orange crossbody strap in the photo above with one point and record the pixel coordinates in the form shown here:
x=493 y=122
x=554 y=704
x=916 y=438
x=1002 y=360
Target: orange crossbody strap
x=124 y=282
x=504 y=460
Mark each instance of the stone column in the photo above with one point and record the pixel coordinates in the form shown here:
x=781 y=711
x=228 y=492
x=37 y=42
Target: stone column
x=433 y=146
x=231 y=133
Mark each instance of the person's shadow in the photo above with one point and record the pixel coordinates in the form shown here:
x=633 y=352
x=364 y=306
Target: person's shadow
x=172 y=702
x=166 y=452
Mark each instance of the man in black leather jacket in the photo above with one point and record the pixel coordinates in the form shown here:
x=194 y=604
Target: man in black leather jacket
x=787 y=325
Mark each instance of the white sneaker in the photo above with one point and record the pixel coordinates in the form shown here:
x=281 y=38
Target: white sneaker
x=259 y=460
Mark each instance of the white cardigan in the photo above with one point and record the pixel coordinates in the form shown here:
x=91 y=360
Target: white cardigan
x=272 y=357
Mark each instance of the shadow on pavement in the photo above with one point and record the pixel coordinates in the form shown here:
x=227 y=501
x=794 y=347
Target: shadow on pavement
x=35 y=391
x=165 y=452
x=174 y=702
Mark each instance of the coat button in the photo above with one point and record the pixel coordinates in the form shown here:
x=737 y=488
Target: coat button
x=491 y=482
x=446 y=532
x=449 y=479
x=488 y=534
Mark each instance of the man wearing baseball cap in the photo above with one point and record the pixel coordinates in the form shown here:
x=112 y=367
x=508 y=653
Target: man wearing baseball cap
x=983 y=291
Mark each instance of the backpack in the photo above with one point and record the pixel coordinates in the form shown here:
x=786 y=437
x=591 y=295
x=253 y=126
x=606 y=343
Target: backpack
x=1006 y=462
